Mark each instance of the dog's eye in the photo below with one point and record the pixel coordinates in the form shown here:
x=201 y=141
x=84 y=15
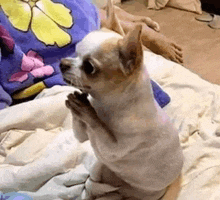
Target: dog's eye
x=88 y=68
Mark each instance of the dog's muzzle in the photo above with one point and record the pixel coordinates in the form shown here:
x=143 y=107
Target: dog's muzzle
x=65 y=65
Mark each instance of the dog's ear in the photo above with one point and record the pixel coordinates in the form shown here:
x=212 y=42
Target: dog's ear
x=130 y=50
x=112 y=19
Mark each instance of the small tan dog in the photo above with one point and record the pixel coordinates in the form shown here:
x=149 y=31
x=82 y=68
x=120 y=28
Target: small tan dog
x=130 y=134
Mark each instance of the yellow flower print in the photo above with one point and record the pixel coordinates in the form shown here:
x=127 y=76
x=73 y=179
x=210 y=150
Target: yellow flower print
x=44 y=17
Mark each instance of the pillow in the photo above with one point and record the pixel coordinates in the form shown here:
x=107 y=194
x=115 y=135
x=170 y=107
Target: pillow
x=189 y=5
x=103 y=3
x=156 y=4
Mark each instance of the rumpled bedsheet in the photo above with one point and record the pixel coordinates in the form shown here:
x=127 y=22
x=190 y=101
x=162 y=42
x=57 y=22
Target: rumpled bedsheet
x=40 y=156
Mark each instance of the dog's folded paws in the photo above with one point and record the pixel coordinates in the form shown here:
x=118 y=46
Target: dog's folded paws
x=81 y=107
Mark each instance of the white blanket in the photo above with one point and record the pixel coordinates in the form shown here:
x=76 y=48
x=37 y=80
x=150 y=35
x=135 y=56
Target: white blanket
x=40 y=156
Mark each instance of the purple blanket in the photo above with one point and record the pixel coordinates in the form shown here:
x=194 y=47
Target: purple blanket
x=43 y=32
x=35 y=35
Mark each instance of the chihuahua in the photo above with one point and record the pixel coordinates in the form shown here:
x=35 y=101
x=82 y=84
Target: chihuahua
x=129 y=132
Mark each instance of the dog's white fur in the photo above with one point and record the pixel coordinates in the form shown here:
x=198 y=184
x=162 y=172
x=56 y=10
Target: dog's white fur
x=131 y=135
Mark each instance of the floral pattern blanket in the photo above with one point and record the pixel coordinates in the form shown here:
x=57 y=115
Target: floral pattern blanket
x=34 y=36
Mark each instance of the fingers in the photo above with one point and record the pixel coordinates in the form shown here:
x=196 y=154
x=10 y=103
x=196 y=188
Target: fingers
x=176 y=58
x=178 y=53
x=78 y=98
x=72 y=99
x=74 y=103
x=176 y=46
x=180 y=59
x=152 y=24
x=72 y=106
x=156 y=27
x=147 y=21
x=82 y=97
x=78 y=103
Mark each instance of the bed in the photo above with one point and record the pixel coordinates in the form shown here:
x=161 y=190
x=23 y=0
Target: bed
x=40 y=156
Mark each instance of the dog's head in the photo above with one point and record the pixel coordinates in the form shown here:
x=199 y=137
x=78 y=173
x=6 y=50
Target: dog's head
x=106 y=59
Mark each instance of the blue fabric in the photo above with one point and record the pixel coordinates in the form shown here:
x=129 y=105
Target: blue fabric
x=5 y=98
x=161 y=97
x=14 y=196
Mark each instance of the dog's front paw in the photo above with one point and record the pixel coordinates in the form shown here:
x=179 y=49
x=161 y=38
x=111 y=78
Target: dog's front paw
x=81 y=107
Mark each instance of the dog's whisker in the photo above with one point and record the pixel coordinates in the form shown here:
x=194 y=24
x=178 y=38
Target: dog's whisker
x=71 y=81
x=74 y=81
x=80 y=83
x=70 y=74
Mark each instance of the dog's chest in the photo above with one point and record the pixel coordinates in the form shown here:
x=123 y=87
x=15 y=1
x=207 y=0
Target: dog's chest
x=125 y=119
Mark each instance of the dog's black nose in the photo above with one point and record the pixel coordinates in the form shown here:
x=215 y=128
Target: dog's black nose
x=65 y=64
